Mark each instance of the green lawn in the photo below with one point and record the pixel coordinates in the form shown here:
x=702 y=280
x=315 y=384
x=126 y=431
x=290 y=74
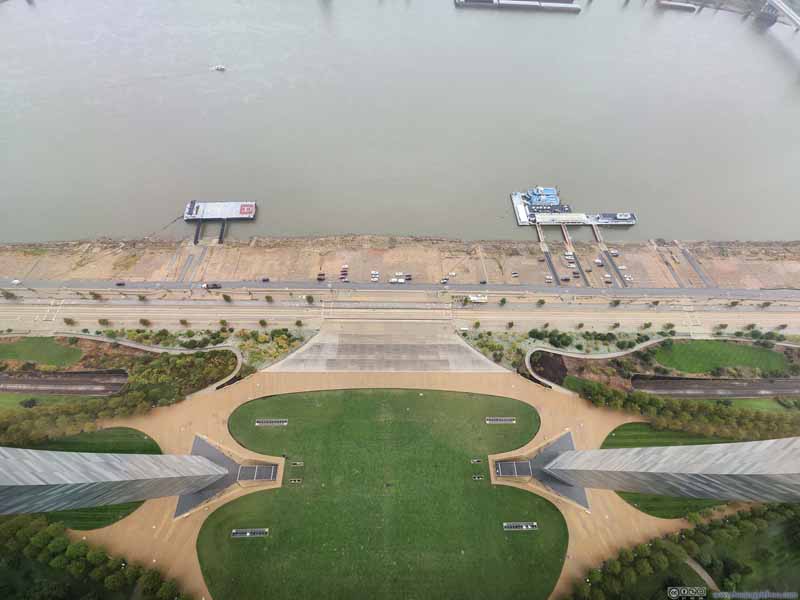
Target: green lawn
x=633 y=435
x=387 y=507
x=120 y=440
x=11 y=401
x=42 y=350
x=768 y=404
x=701 y=356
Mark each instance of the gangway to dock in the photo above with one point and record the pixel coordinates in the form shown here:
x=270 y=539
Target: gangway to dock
x=571 y=248
x=615 y=269
x=599 y=237
x=548 y=258
x=787 y=12
x=695 y=265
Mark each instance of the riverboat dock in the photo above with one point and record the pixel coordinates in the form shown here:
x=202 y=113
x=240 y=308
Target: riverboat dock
x=222 y=212
x=529 y=4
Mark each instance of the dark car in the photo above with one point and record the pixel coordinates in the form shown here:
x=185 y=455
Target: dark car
x=214 y=286
x=483 y=282
x=321 y=277
x=120 y=284
x=265 y=280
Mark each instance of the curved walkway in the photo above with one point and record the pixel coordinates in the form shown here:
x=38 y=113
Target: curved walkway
x=621 y=353
x=164 y=350
x=702 y=573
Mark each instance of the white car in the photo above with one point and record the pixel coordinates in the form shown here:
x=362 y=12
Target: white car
x=514 y=274
x=15 y=282
x=622 y=267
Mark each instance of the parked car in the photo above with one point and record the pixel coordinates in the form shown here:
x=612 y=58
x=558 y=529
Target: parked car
x=211 y=286
x=120 y=284
x=265 y=280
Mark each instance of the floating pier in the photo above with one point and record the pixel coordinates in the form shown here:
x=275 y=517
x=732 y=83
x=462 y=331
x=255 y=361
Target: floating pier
x=200 y=212
x=538 y=207
x=529 y=4
x=672 y=4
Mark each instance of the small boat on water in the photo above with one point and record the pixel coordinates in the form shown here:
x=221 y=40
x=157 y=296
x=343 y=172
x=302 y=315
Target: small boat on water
x=219 y=68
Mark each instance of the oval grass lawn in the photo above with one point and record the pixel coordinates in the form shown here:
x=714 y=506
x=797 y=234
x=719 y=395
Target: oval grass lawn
x=702 y=356
x=387 y=507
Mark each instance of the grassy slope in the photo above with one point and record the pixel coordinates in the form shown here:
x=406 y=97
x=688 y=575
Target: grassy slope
x=654 y=587
x=10 y=401
x=701 y=356
x=120 y=440
x=41 y=350
x=632 y=435
x=768 y=404
x=780 y=571
x=387 y=507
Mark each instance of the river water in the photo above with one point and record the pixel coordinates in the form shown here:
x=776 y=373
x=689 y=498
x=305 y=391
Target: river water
x=393 y=117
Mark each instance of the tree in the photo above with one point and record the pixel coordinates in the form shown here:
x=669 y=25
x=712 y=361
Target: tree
x=132 y=574
x=58 y=545
x=77 y=550
x=69 y=321
x=77 y=568
x=310 y=299
x=114 y=582
x=613 y=566
x=223 y=323
x=629 y=577
x=510 y=325
x=540 y=302
x=268 y=299
x=95 y=296
x=647 y=325
x=9 y=295
x=151 y=582
x=503 y=301
x=298 y=323
x=227 y=298
x=476 y=324
x=142 y=297
x=97 y=556
x=659 y=561
x=184 y=322
x=615 y=302
x=626 y=556
x=145 y=322
x=167 y=591
x=597 y=594
x=643 y=567
x=262 y=322
x=60 y=562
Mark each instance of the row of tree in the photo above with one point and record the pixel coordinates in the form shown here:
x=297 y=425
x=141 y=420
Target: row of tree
x=32 y=538
x=706 y=418
x=617 y=577
x=153 y=380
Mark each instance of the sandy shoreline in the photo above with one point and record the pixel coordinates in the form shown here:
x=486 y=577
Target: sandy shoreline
x=651 y=263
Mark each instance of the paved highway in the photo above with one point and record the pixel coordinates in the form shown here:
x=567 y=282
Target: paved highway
x=257 y=286
x=33 y=314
